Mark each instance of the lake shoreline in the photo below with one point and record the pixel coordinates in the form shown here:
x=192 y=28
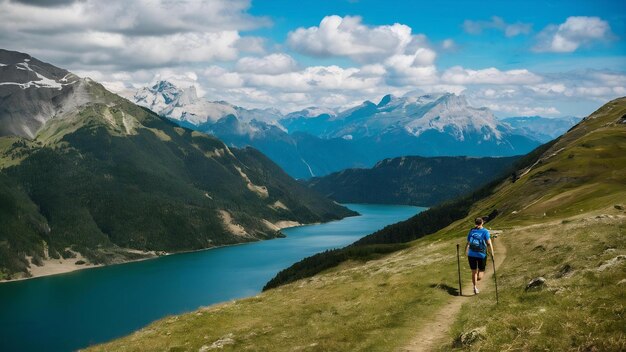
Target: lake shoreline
x=66 y=268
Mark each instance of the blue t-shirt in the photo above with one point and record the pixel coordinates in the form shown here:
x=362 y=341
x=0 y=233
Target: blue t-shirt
x=480 y=235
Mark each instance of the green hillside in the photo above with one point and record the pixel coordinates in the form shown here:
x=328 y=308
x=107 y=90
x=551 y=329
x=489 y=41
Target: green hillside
x=115 y=182
x=562 y=217
x=411 y=180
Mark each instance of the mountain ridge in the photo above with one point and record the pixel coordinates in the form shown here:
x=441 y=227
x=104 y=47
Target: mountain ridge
x=413 y=180
x=440 y=124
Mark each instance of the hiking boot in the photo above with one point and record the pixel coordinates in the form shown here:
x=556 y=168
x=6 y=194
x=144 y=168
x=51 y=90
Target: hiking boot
x=476 y=290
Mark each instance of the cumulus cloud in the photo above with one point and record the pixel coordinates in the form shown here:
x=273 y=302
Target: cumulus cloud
x=122 y=35
x=128 y=45
x=391 y=51
x=416 y=69
x=460 y=75
x=328 y=78
x=575 y=32
x=348 y=36
x=270 y=64
x=497 y=23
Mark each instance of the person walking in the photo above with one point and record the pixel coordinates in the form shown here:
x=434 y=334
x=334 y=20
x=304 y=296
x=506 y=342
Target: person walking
x=478 y=239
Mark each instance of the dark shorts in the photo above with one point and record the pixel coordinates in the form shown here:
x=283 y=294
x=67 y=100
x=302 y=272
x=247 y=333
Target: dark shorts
x=477 y=263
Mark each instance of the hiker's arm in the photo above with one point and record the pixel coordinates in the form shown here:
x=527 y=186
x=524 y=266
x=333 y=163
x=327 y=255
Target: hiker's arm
x=490 y=246
x=467 y=249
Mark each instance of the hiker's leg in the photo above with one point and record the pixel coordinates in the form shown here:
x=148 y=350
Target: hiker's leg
x=474 y=276
x=482 y=264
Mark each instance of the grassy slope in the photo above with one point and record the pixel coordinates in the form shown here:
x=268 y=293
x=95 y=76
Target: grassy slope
x=378 y=305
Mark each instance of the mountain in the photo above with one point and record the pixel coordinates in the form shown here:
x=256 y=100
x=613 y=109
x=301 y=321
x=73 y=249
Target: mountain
x=411 y=180
x=541 y=128
x=561 y=219
x=427 y=125
x=317 y=141
x=108 y=181
x=185 y=106
x=301 y=155
x=31 y=92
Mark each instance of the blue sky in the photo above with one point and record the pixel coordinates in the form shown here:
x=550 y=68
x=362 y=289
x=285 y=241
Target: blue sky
x=549 y=58
x=441 y=20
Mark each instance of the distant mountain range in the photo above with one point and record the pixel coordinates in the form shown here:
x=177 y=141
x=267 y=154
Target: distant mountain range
x=411 y=180
x=86 y=173
x=317 y=141
x=541 y=128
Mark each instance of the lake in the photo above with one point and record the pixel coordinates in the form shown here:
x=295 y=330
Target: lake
x=74 y=310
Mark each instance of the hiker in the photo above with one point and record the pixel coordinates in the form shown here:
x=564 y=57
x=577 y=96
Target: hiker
x=476 y=250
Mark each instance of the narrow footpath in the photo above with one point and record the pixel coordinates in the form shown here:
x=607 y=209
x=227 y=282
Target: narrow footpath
x=434 y=334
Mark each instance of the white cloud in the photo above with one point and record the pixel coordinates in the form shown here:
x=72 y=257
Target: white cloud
x=216 y=76
x=127 y=45
x=517 y=110
x=347 y=36
x=509 y=29
x=460 y=75
x=329 y=78
x=253 y=45
x=120 y=35
x=575 y=32
x=548 y=88
x=270 y=64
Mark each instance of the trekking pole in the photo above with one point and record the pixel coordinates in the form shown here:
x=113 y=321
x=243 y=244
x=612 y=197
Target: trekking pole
x=495 y=278
x=458 y=265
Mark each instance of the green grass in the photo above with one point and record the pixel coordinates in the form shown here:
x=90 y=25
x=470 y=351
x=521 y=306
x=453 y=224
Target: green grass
x=582 y=307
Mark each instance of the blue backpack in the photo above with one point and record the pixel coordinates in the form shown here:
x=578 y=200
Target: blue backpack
x=476 y=242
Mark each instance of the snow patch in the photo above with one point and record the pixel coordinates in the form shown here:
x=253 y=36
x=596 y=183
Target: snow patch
x=41 y=82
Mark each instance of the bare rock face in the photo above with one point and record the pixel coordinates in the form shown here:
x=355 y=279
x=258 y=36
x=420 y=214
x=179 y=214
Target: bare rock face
x=32 y=92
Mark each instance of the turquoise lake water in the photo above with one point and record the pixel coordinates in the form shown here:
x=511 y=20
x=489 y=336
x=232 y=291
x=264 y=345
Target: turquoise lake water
x=71 y=311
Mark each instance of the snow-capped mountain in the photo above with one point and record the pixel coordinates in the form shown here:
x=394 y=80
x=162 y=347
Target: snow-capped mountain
x=184 y=105
x=444 y=113
x=316 y=141
x=166 y=99
x=40 y=90
x=428 y=125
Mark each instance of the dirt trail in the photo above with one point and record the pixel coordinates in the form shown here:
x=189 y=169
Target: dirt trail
x=432 y=335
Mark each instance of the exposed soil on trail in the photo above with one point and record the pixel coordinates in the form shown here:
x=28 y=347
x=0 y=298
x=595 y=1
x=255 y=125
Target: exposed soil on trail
x=433 y=335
